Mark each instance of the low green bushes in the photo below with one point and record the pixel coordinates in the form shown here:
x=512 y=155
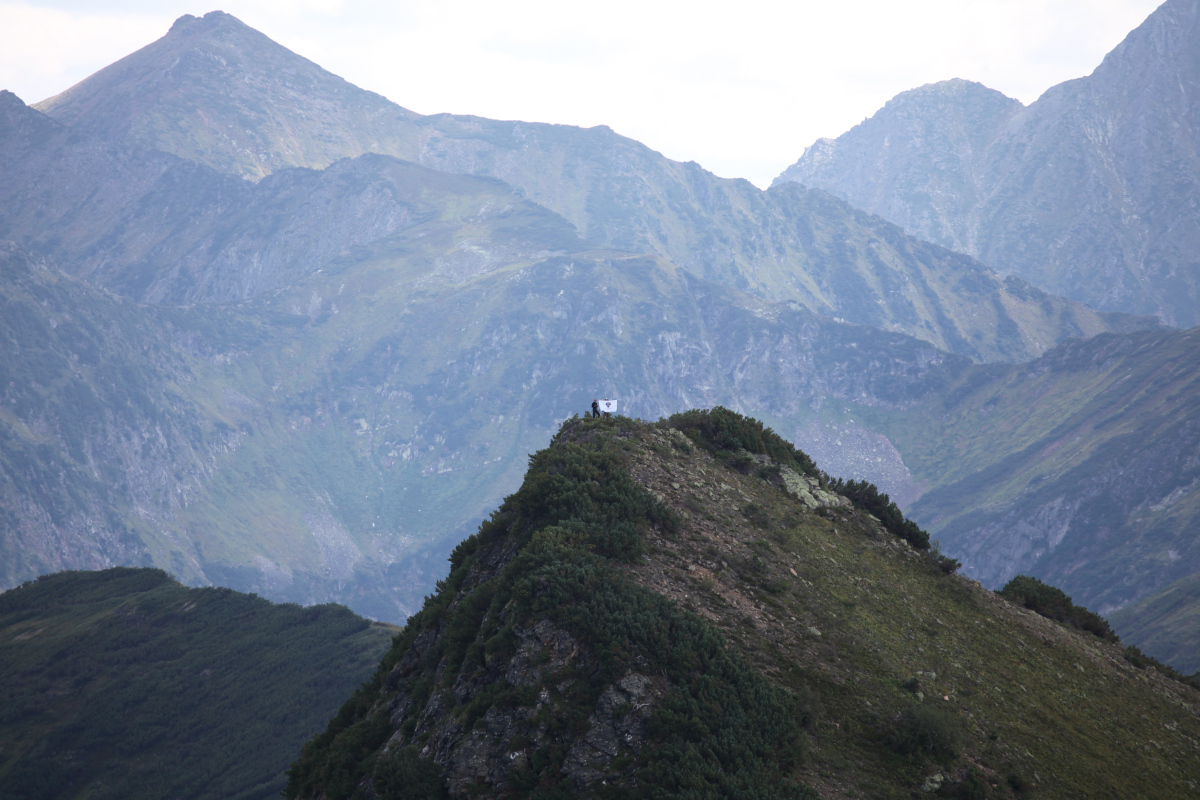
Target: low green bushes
x=726 y=433
x=1052 y=603
x=555 y=551
x=928 y=731
x=867 y=496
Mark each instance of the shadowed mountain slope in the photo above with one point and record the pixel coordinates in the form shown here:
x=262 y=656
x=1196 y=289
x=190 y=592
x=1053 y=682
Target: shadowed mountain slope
x=1166 y=624
x=329 y=436
x=659 y=612
x=124 y=684
x=195 y=91
x=1091 y=192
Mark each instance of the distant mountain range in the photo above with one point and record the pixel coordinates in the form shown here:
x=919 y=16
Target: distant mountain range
x=271 y=331
x=1092 y=192
x=216 y=92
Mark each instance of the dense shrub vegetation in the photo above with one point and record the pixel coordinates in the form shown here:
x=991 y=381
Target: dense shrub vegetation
x=726 y=433
x=867 y=496
x=928 y=731
x=1051 y=602
x=125 y=684
x=721 y=731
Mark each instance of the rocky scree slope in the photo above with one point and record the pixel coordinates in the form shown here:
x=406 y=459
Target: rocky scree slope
x=1091 y=192
x=198 y=94
x=682 y=609
x=124 y=684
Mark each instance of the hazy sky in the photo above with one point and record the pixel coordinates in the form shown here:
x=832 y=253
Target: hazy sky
x=741 y=87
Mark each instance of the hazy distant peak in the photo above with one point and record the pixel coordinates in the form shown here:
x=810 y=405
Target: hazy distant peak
x=216 y=91
x=191 y=25
x=920 y=146
x=1171 y=29
x=955 y=89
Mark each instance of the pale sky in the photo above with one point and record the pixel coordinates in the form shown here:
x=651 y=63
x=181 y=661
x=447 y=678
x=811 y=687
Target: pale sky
x=742 y=88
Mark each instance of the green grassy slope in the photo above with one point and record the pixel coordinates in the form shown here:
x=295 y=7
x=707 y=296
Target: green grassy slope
x=125 y=684
x=1078 y=467
x=608 y=630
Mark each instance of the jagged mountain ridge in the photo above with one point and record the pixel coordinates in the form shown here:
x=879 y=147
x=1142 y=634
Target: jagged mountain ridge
x=627 y=603
x=1090 y=192
x=783 y=244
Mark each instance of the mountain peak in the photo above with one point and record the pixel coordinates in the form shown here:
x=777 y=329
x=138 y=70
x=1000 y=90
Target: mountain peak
x=677 y=609
x=920 y=147
x=216 y=91
x=191 y=25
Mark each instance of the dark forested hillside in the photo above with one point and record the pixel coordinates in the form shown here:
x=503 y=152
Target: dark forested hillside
x=683 y=609
x=124 y=684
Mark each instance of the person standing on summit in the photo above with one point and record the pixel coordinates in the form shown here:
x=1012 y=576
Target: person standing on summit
x=595 y=407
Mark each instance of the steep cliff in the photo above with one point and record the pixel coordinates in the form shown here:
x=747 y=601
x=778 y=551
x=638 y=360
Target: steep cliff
x=215 y=92
x=681 y=610
x=1091 y=192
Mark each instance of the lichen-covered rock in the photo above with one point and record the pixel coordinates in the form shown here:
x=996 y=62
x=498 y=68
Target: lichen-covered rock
x=808 y=491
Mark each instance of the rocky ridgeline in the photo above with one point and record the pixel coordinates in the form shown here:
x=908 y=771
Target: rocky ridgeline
x=683 y=609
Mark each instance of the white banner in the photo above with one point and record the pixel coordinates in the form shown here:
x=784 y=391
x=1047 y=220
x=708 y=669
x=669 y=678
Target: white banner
x=608 y=406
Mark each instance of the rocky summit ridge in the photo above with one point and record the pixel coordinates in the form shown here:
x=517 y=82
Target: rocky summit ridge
x=687 y=609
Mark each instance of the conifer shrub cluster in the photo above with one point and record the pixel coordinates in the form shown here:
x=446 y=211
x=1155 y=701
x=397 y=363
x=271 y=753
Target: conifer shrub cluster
x=726 y=434
x=927 y=730
x=1135 y=656
x=867 y=496
x=554 y=551
x=1053 y=603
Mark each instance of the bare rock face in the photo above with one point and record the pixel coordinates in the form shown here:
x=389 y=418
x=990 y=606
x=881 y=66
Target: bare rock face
x=619 y=725
x=548 y=664
x=1090 y=192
